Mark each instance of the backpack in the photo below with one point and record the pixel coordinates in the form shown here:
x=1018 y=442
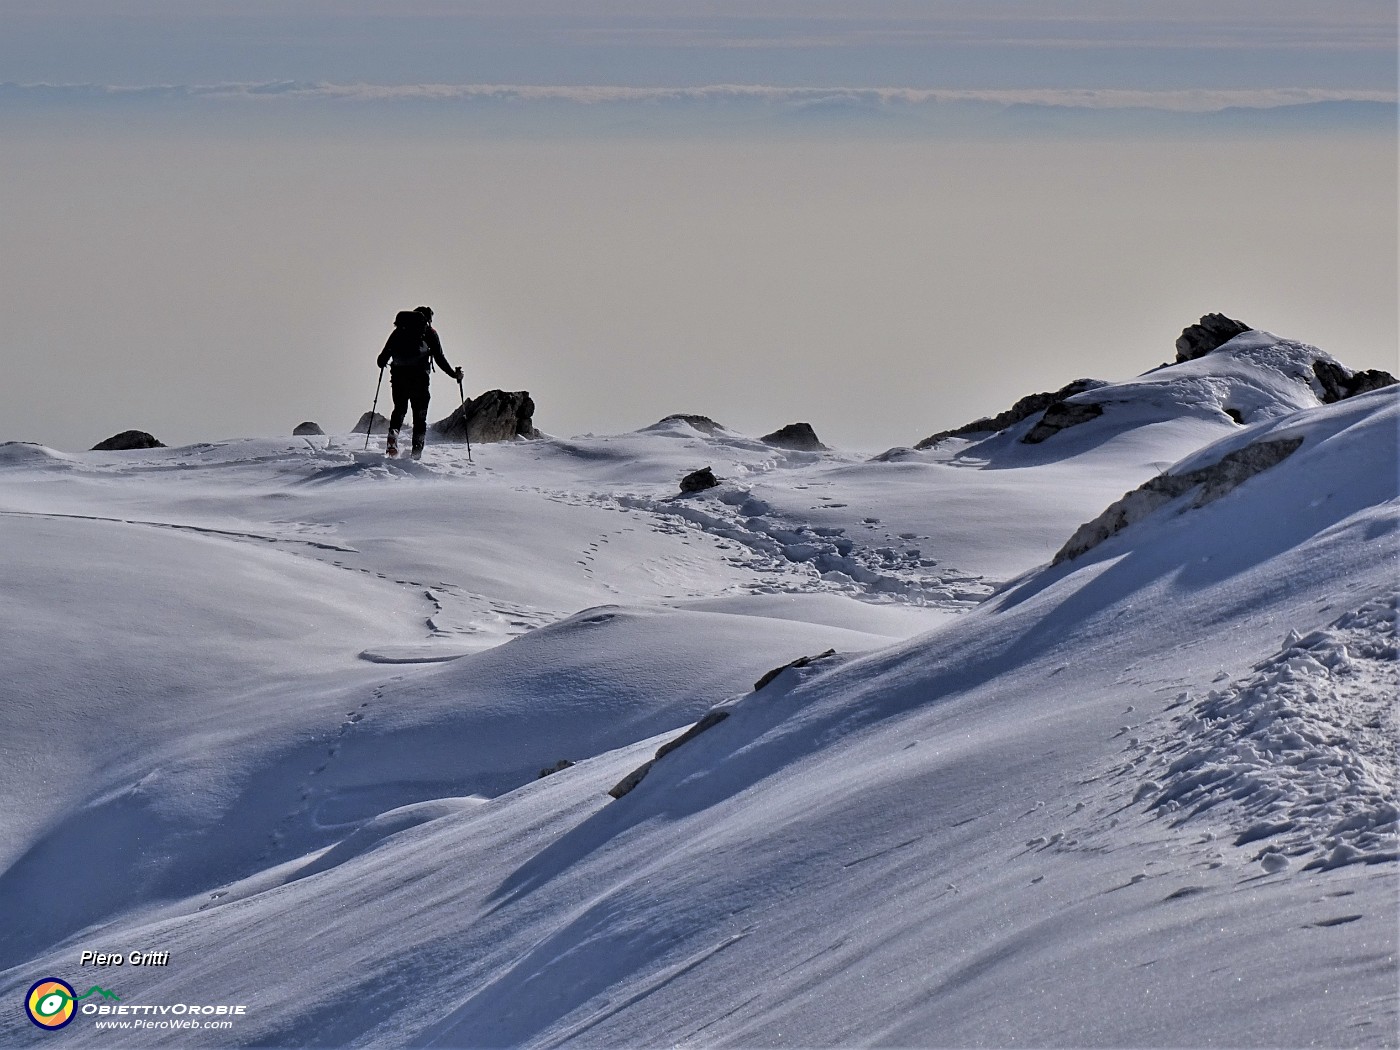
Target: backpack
x=407 y=347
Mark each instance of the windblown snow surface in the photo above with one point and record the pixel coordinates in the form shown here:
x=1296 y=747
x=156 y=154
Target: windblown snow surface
x=280 y=709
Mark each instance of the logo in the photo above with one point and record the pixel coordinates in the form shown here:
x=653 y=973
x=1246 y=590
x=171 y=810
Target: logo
x=51 y=1003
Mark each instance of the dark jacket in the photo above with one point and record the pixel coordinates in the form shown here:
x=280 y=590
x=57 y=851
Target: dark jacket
x=430 y=336
x=413 y=345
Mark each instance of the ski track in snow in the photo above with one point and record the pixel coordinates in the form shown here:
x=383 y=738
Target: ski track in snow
x=202 y=529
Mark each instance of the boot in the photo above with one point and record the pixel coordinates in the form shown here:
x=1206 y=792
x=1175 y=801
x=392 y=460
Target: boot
x=391 y=443
x=418 y=450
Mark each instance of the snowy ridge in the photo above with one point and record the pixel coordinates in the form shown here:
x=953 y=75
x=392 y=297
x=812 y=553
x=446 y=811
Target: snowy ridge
x=1207 y=483
x=1257 y=374
x=1252 y=378
x=282 y=710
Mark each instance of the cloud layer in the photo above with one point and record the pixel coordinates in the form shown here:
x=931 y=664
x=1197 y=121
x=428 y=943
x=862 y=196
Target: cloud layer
x=892 y=98
x=722 y=109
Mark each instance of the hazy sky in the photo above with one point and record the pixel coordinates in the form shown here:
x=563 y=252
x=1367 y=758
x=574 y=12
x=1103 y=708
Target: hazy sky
x=931 y=43
x=205 y=266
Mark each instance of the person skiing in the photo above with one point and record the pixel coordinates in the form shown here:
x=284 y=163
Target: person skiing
x=411 y=349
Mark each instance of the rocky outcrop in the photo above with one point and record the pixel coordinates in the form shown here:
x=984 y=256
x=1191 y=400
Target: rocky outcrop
x=798 y=437
x=373 y=420
x=558 y=767
x=1211 y=331
x=1061 y=416
x=704 y=424
x=1232 y=470
x=1022 y=409
x=1339 y=383
x=497 y=415
x=632 y=779
x=801 y=661
x=307 y=429
x=713 y=718
x=128 y=439
x=699 y=480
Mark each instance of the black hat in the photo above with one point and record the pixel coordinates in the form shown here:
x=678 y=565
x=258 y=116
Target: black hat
x=426 y=311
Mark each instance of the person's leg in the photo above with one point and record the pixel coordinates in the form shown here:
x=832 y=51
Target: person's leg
x=420 y=397
x=402 y=390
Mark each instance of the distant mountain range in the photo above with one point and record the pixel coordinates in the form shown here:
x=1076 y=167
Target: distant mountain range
x=893 y=109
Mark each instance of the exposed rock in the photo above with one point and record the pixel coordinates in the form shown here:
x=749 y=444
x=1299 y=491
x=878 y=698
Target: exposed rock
x=704 y=424
x=128 y=439
x=1334 y=380
x=1022 y=409
x=799 y=437
x=1235 y=414
x=712 y=718
x=1214 y=481
x=632 y=779
x=801 y=661
x=1061 y=416
x=1338 y=383
x=307 y=429
x=1209 y=332
x=699 y=480
x=1370 y=379
x=497 y=415
x=558 y=767
x=709 y=721
x=379 y=424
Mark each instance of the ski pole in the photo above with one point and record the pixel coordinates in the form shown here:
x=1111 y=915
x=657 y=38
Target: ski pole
x=369 y=427
x=466 y=430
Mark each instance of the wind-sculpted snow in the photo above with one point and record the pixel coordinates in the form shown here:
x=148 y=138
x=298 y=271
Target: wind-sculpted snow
x=1301 y=755
x=281 y=710
x=1208 y=483
x=27 y=455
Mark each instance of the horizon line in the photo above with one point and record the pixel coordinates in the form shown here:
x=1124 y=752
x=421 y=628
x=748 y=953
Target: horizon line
x=1169 y=100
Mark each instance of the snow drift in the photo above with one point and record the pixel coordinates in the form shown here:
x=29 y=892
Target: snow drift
x=283 y=712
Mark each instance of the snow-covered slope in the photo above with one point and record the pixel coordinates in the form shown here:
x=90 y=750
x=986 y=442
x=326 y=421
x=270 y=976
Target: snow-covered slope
x=281 y=711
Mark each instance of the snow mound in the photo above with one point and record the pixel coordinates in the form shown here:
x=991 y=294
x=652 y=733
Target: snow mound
x=1301 y=755
x=19 y=454
x=1254 y=377
x=686 y=424
x=1315 y=436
